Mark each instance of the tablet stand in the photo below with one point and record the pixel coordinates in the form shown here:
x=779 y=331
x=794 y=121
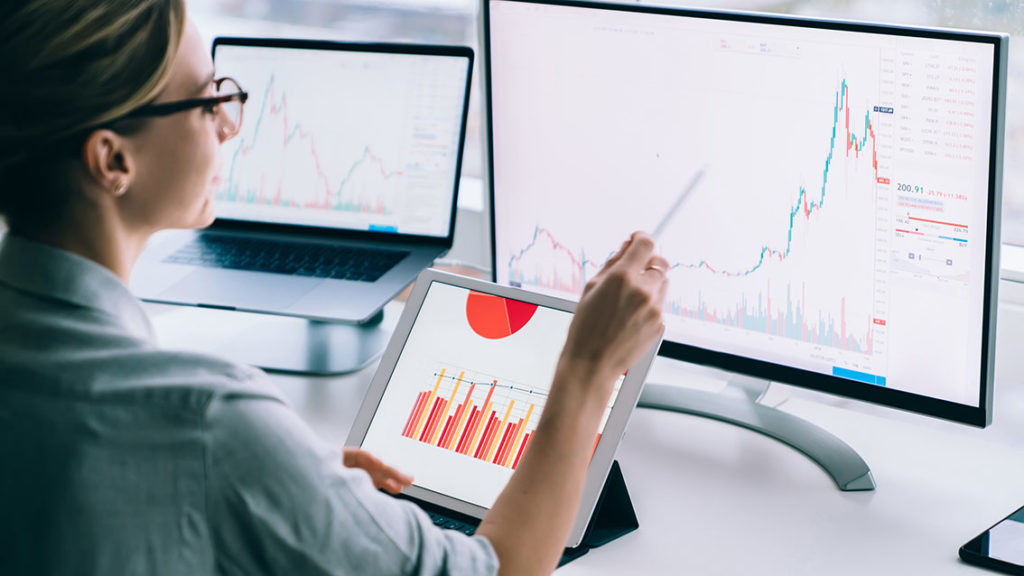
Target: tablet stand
x=613 y=516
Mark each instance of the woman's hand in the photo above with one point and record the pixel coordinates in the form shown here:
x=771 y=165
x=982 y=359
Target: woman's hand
x=617 y=320
x=620 y=314
x=383 y=476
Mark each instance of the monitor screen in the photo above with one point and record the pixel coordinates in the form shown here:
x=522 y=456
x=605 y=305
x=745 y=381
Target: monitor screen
x=827 y=193
x=347 y=139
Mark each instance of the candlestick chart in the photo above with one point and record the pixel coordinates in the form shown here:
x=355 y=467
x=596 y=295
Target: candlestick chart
x=779 y=284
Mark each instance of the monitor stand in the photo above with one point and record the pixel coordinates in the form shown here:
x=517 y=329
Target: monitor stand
x=281 y=344
x=837 y=458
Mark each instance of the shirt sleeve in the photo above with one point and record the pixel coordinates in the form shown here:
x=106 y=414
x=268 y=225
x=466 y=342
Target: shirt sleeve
x=280 y=502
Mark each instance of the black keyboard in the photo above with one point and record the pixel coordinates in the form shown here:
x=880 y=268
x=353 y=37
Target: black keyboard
x=469 y=528
x=442 y=521
x=451 y=520
x=284 y=257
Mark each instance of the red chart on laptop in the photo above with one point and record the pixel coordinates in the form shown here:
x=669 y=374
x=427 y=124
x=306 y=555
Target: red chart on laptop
x=494 y=317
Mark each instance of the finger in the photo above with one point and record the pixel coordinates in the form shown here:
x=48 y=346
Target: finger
x=383 y=476
x=659 y=260
x=615 y=257
x=657 y=263
x=639 y=251
x=663 y=290
x=393 y=475
x=359 y=458
x=656 y=271
x=660 y=294
x=391 y=487
x=375 y=466
x=356 y=457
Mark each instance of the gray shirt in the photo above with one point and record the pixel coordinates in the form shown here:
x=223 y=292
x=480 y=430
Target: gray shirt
x=117 y=457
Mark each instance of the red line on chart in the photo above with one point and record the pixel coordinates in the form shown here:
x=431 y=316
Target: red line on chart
x=937 y=222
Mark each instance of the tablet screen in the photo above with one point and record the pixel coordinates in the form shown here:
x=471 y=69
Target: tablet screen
x=467 y=391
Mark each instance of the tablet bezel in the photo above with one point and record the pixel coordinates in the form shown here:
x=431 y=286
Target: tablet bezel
x=601 y=462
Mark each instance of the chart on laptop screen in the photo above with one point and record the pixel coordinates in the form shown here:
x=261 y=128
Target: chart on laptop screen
x=357 y=140
x=468 y=390
x=810 y=187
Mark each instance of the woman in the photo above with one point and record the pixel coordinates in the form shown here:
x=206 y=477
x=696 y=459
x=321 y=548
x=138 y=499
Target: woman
x=121 y=458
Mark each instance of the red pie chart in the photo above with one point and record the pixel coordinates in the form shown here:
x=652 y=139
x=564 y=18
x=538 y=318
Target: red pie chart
x=494 y=317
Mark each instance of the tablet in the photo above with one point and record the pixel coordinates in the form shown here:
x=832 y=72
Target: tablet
x=461 y=388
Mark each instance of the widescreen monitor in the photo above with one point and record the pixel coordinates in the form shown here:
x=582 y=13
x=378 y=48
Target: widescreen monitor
x=827 y=193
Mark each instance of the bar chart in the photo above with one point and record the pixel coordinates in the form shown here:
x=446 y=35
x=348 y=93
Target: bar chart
x=479 y=416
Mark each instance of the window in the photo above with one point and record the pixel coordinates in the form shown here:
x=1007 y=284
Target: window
x=455 y=22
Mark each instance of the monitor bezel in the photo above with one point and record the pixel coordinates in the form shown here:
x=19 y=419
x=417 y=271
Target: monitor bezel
x=465 y=52
x=980 y=415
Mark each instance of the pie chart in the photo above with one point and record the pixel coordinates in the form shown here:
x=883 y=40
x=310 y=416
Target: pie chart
x=494 y=317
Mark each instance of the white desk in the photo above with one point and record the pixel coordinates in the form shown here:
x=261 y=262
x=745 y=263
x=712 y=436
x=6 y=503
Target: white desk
x=717 y=499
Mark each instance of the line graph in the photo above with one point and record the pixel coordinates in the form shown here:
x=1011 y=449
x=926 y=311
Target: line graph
x=743 y=286
x=844 y=179
x=280 y=164
x=344 y=139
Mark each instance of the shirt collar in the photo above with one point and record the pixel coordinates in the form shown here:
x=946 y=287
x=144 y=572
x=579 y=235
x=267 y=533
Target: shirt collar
x=53 y=273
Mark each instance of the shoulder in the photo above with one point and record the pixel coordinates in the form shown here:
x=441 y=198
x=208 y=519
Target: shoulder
x=204 y=383
x=129 y=374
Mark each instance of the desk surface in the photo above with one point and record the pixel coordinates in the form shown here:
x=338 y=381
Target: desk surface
x=718 y=499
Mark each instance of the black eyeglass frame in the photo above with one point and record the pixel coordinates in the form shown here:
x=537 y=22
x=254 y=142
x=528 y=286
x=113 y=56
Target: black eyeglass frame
x=168 y=108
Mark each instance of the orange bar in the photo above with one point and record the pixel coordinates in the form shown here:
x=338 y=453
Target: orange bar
x=471 y=428
x=491 y=445
x=435 y=421
x=460 y=416
x=444 y=431
x=416 y=407
x=506 y=453
x=519 y=433
x=447 y=406
x=481 y=449
x=419 y=425
x=505 y=438
x=506 y=442
x=483 y=417
x=473 y=417
x=430 y=419
x=526 y=442
x=420 y=412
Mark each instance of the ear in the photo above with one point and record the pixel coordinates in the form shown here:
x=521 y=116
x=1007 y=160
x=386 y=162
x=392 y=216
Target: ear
x=108 y=163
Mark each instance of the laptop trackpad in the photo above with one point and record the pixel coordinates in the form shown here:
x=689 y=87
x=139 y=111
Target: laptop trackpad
x=238 y=289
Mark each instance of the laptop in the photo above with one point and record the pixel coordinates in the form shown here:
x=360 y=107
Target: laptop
x=458 y=394
x=339 y=189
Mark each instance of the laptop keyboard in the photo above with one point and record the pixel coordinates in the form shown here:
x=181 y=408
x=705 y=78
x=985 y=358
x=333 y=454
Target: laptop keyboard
x=292 y=258
x=445 y=522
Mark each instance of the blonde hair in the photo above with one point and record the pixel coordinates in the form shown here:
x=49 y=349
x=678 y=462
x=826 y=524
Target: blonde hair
x=70 y=66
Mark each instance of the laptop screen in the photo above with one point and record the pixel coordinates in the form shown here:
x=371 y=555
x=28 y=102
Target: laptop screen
x=466 y=393
x=344 y=138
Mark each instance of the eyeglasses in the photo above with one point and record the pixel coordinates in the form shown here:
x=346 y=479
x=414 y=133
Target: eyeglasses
x=227 y=104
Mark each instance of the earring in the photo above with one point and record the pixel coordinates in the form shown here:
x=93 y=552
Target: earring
x=121 y=188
